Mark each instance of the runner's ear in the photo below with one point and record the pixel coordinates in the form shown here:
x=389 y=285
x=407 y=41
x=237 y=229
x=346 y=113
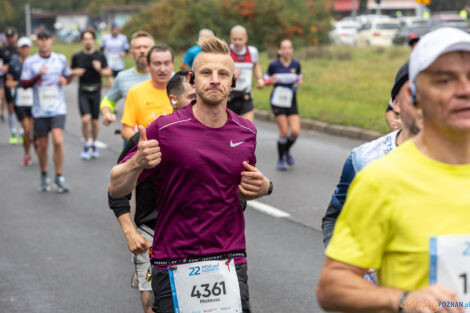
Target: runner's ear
x=191 y=77
x=234 y=81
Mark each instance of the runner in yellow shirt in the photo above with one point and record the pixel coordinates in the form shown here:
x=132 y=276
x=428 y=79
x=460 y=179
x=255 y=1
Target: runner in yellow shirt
x=148 y=100
x=407 y=214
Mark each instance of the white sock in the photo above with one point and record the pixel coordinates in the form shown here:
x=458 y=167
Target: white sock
x=12 y=123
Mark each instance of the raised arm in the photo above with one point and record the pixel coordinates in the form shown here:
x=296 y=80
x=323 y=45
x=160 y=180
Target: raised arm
x=124 y=176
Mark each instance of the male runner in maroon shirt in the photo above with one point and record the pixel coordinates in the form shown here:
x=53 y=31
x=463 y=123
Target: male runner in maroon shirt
x=200 y=156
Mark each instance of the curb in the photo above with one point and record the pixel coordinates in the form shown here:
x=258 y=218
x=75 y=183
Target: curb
x=337 y=130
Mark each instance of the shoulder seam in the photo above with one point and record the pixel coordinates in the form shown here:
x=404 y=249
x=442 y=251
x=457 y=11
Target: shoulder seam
x=177 y=122
x=244 y=126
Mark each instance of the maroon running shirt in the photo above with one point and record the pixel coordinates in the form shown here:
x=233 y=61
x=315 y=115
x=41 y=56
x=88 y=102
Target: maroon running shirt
x=196 y=184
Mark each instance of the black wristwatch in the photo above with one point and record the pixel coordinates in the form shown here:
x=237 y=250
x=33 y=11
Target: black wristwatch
x=270 y=190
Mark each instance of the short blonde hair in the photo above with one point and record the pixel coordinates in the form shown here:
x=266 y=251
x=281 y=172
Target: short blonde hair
x=213 y=44
x=141 y=33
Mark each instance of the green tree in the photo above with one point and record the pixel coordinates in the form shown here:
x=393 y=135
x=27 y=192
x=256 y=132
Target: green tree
x=177 y=22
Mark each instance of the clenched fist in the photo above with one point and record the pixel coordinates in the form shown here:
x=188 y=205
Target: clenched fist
x=108 y=118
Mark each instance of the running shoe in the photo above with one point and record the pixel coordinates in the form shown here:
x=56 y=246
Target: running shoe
x=20 y=139
x=13 y=139
x=44 y=184
x=281 y=165
x=27 y=160
x=85 y=154
x=60 y=185
x=289 y=159
x=94 y=152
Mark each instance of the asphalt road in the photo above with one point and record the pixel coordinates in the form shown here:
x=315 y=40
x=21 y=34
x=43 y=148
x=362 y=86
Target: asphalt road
x=66 y=253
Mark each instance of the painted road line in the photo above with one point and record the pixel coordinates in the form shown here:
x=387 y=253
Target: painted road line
x=267 y=209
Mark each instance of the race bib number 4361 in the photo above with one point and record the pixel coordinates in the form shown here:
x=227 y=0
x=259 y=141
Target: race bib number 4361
x=450 y=263
x=208 y=286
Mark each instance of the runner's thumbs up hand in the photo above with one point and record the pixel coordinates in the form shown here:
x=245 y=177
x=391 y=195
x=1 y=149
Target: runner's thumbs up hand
x=253 y=183
x=148 y=151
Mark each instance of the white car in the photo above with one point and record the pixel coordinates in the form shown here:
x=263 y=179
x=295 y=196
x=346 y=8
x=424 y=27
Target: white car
x=379 y=32
x=344 y=33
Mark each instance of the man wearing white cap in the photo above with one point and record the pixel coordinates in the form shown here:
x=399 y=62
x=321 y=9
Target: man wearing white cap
x=407 y=215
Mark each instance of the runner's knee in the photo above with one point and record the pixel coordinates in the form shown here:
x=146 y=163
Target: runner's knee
x=86 y=118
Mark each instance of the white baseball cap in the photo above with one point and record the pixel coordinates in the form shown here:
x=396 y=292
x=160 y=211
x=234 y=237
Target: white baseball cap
x=433 y=45
x=24 y=41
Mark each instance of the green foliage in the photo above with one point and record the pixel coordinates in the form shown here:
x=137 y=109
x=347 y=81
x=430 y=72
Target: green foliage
x=177 y=22
x=455 y=5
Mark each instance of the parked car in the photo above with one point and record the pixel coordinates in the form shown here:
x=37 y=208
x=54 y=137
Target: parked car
x=365 y=18
x=413 y=21
x=449 y=19
x=377 y=32
x=344 y=33
x=406 y=32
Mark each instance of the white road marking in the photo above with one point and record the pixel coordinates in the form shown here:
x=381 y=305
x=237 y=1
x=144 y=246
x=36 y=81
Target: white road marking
x=267 y=209
x=100 y=144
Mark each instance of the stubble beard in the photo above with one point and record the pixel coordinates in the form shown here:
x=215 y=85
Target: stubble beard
x=141 y=66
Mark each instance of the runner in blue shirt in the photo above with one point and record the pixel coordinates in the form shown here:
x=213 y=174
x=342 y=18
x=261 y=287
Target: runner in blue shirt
x=194 y=50
x=284 y=73
x=47 y=72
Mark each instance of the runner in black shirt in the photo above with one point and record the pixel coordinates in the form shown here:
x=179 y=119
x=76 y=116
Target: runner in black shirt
x=10 y=51
x=4 y=60
x=89 y=65
x=22 y=98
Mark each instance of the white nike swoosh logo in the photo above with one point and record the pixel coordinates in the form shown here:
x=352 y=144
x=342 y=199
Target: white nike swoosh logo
x=234 y=144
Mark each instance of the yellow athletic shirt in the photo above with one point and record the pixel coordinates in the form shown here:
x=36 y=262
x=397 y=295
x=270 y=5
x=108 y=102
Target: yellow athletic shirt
x=394 y=205
x=144 y=103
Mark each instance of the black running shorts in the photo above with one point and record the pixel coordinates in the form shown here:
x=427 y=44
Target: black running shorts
x=22 y=112
x=89 y=103
x=240 y=102
x=286 y=111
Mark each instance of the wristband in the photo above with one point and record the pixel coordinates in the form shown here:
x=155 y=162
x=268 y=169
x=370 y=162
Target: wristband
x=400 y=301
x=270 y=190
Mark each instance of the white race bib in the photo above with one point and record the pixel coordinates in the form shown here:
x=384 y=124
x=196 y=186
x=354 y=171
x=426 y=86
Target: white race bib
x=282 y=97
x=114 y=60
x=450 y=263
x=48 y=96
x=24 y=97
x=244 y=81
x=208 y=286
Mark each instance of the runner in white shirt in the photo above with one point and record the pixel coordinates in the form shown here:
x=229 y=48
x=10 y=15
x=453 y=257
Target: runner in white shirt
x=115 y=47
x=47 y=72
